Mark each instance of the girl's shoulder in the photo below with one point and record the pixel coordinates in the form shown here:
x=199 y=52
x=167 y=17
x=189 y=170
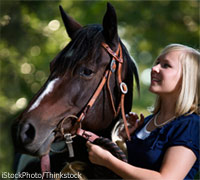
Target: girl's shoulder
x=184 y=130
x=193 y=116
x=192 y=119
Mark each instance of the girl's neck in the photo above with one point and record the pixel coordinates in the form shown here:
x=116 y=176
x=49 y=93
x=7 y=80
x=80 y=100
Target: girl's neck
x=167 y=108
x=168 y=104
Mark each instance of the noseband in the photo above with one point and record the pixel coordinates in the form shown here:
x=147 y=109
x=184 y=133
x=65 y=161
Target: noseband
x=117 y=57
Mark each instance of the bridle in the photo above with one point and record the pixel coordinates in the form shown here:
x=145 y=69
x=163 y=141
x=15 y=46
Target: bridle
x=117 y=57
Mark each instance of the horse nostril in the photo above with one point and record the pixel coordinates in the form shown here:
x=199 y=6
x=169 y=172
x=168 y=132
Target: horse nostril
x=27 y=133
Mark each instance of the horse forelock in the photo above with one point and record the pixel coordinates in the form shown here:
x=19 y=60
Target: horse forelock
x=83 y=48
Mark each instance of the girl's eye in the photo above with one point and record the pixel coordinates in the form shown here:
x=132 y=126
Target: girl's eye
x=166 y=65
x=86 y=72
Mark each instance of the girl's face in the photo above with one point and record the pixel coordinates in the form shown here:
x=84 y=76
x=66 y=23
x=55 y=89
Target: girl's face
x=166 y=74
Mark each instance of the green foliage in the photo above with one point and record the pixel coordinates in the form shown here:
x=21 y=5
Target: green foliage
x=32 y=33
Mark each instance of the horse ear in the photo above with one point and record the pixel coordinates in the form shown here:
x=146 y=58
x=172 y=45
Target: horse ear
x=110 y=26
x=70 y=24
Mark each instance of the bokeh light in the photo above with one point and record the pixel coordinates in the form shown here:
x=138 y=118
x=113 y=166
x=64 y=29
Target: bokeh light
x=54 y=25
x=26 y=68
x=21 y=103
x=145 y=76
x=35 y=51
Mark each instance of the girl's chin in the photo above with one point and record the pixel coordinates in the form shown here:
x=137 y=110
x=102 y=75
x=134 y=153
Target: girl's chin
x=153 y=90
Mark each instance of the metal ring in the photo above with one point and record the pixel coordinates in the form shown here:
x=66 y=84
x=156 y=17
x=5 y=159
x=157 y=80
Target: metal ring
x=67 y=134
x=123 y=87
x=61 y=128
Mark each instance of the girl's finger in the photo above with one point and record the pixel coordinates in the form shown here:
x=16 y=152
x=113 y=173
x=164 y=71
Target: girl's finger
x=133 y=119
x=88 y=144
x=141 y=119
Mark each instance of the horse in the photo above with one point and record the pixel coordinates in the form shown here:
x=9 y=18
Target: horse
x=69 y=99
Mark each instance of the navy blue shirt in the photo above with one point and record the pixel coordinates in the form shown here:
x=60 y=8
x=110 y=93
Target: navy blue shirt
x=149 y=153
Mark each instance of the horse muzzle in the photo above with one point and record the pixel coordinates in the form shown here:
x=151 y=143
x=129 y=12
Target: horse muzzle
x=32 y=140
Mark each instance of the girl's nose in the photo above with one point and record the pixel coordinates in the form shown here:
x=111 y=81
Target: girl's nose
x=156 y=68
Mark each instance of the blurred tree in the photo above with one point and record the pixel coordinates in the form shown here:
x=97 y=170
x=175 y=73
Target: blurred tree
x=31 y=34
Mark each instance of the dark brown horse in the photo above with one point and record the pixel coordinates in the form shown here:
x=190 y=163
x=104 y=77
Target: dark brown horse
x=75 y=74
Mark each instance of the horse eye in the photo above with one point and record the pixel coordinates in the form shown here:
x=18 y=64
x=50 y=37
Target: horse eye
x=86 y=72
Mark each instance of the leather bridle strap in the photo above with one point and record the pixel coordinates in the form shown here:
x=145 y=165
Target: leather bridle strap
x=98 y=91
x=105 y=78
x=87 y=135
x=123 y=86
x=94 y=97
x=112 y=53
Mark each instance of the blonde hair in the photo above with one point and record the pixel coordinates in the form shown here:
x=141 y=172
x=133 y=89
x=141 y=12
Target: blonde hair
x=188 y=100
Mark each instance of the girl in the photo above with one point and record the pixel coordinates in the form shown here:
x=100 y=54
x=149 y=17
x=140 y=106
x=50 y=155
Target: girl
x=166 y=146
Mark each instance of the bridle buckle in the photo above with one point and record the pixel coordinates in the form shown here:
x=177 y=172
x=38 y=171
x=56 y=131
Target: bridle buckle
x=113 y=65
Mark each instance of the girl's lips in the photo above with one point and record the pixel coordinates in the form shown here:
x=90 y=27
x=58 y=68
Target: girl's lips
x=155 y=79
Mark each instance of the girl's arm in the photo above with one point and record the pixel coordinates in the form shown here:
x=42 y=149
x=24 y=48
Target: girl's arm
x=177 y=162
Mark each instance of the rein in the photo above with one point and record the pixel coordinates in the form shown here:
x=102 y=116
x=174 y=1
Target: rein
x=117 y=57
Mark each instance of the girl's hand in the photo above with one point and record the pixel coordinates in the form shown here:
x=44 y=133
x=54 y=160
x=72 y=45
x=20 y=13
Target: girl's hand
x=97 y=154
x=134 y=122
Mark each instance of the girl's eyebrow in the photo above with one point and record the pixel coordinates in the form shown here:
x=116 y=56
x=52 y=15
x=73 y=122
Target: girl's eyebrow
x=161 y=59
x=166 y=60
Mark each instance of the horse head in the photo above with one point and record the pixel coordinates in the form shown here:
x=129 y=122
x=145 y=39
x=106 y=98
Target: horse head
x=75 y=74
